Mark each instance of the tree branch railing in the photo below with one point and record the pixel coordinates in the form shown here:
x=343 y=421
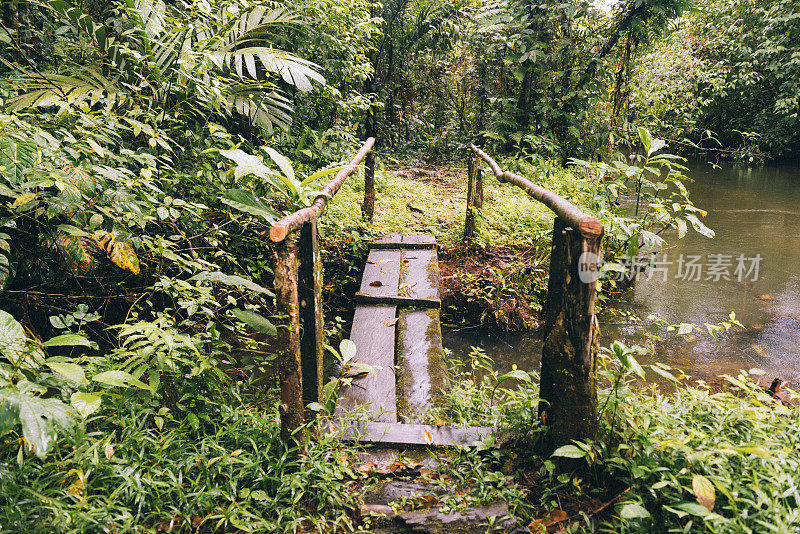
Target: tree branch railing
x=298 y=294
x=568 y=383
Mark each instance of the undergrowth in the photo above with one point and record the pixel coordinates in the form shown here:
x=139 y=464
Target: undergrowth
x=680 y=458
x=133 y=468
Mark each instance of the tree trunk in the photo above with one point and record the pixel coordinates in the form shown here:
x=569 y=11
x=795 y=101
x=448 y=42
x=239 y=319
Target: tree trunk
x=312 y=343
x=286 y=297
x=568 y=394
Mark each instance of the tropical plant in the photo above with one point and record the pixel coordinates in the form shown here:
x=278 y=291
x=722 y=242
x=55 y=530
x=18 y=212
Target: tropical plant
x=193 y=57
x=26 y=373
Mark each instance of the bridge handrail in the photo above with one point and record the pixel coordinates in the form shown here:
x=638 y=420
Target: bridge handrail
x=294 y=221
x=587 y=225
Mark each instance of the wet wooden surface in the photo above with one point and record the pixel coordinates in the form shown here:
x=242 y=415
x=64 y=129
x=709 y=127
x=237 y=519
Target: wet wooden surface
x=417 y=435
x=374 y=336
x=397 y=330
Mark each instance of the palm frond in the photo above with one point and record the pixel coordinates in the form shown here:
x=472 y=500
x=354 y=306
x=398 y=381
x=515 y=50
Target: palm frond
x=292 y=69
x=265 y=106
x=44 y=90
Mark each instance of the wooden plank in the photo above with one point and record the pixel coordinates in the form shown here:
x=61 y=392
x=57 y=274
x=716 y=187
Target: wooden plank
x=382 y=273
x=414 y=435
x=406 y=246
x=421 y=371
x=393 y=238
x=397 y=300
x=419 y=276
x=419 y=239
x=375 y=346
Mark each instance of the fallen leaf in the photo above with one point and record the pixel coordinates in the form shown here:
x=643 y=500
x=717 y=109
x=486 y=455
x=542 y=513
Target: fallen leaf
x=704 y=491
x=766 y=297
x=384 y=260
x=332 y=429
x=109 y=450
x=425 y=501
x=376 y=283
x=392 y=322
x=428 y=438
x=556 y=516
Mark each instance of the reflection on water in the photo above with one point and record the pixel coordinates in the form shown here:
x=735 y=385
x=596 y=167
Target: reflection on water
x=753 y=212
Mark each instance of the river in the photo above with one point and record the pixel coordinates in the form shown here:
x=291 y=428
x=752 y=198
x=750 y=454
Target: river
x=755 y=213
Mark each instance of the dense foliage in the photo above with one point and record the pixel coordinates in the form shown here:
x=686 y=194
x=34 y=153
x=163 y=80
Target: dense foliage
x=146 y=146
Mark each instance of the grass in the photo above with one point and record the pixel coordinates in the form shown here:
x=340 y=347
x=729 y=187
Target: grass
x=120 y=472
x=511 y=218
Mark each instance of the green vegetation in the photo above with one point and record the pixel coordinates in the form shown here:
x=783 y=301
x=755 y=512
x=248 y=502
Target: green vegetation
x=146 y=147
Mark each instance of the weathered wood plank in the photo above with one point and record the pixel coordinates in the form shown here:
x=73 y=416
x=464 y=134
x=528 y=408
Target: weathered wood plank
x=398 y=300
x=419 y=239
x=405 y=246
x=393 y=238
x=421 y=368
x=414 y=435
x=419 y=276
x=375 y=343
x=382 y=273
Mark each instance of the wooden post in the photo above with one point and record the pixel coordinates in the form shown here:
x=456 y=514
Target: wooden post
x=368 y=207
x=291 y=407
x=568 y=392
x=474 y=198
x=309 y=281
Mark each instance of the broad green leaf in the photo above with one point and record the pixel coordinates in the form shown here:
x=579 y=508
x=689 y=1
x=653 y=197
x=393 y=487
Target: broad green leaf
x=569 y=451
x=120 y=379
x=257 y=322
x=67 y=340
x=246 y=163
x=693 y=508
x=685 y=328
x=70 y=371
x=319 y=174
x=245 y=201
x=86 y=403
x=516 y=374
x=282 y=162
x=633 y=511
x=646 y=138
x=40 y=418
x=193 y=421
x=12 y=337
x=347 y=350
x=9 y=414
x=655 y=146
x=232 y=280
x=699 y=226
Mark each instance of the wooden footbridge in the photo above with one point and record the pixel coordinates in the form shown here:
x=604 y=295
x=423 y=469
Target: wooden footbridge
x=397 y=330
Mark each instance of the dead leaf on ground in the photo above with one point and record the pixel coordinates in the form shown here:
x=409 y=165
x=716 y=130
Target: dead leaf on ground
x=428 y=438
x=392 y=322
x=376 y=283
x=541 y=525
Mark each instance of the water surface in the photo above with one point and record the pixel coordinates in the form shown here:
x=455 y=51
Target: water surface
x=754 y=213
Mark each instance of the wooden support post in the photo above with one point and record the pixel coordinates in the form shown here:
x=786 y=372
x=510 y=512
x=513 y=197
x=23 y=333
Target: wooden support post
x=474 y=198
x=309 y=280
x=568 y=394
x=368 y=207
x=291 y=380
